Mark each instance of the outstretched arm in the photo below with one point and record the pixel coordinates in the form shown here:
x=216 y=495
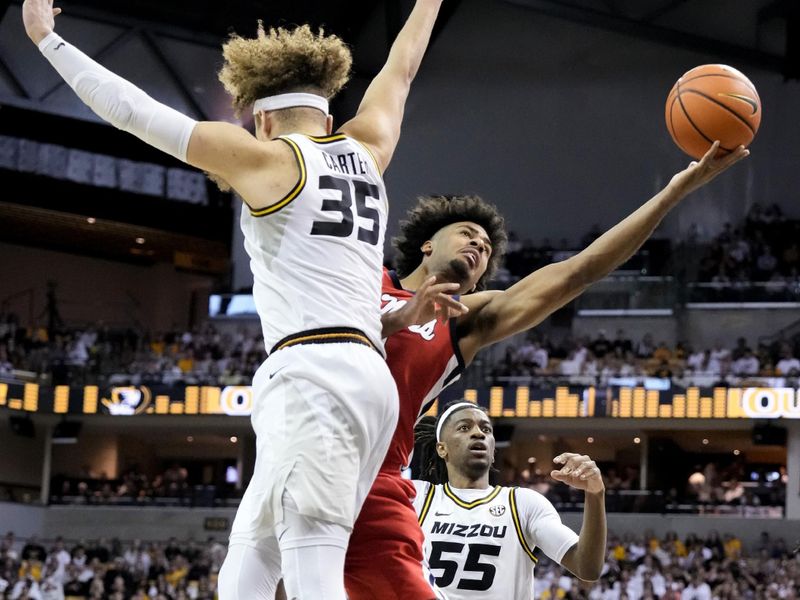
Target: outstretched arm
x=217 y=147
x=377 y=122
x=585 y=559
x=495 y=316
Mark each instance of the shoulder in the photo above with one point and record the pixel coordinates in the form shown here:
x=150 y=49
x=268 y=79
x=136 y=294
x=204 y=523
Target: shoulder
x=532 y=504
x=422 y=488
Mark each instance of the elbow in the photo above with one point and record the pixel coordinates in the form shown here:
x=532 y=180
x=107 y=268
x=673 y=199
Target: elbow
x=578 y=275
x=584 y=270
x=108 y=99
x=591 y=574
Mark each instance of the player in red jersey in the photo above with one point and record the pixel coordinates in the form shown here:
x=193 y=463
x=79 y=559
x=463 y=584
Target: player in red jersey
x=460 y=240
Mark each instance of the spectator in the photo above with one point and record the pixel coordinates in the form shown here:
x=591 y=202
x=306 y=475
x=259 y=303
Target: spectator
x=788 y=364
x=746 y=365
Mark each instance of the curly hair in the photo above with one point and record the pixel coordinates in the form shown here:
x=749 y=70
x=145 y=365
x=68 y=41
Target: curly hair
x=283 y=60
x=434 y=212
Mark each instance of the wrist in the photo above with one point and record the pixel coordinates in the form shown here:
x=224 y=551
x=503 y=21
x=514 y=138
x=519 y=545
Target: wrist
x=38 y=34
x=43 y=38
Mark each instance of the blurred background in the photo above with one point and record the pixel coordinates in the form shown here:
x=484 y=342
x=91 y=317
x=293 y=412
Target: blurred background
x=128 y=337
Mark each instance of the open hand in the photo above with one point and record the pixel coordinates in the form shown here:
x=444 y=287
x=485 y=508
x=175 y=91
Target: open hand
x=432 y=301
x=579 y=471
x=39 y=18
x=697 y=174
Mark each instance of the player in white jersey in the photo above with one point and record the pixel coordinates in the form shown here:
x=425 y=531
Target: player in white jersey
x=325 y=402
x=479 y=539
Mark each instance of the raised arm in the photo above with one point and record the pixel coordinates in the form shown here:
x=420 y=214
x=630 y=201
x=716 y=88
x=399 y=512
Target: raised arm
x=217 y=147
x=495 y=316
x=585 y=559
x=377 y=122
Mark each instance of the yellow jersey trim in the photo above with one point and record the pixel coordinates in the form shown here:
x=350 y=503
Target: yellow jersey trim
x=512 y=499
x=327 y=139
x=371 y=155
x=325 y=336
x=468 y=505
x=426 y=506
x=301 y=183
x=337 y=137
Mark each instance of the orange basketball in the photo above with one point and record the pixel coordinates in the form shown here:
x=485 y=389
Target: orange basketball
x=712 y=102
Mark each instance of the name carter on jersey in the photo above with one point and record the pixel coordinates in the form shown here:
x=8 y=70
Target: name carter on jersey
x=350 y=163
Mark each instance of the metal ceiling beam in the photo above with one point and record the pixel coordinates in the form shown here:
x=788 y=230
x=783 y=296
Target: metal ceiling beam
x=636 y=28
x=19 y=89
x=187 y=94
x=160 y=29
x=98 y=56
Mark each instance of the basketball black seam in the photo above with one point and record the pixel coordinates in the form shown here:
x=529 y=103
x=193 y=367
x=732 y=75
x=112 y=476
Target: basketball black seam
x=717 y=102
x=671 y=122
x=692 y=123
x=749 y=85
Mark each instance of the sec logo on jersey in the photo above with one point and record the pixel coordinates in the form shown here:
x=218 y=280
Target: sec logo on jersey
x=497 y=511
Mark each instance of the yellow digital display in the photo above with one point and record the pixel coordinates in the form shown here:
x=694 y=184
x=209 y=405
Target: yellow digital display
x=571 y=402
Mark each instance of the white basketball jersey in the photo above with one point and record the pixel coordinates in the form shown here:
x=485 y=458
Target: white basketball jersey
x=479 y=543
x=317 y=254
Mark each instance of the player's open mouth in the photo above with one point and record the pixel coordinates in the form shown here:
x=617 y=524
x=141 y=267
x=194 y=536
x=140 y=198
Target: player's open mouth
x=472 y=257
x=478 y=449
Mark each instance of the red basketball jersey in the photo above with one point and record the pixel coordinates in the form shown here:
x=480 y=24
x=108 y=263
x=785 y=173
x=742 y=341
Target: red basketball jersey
x=424 y=359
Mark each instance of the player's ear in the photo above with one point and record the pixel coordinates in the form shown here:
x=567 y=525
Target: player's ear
x=263 y=123
x=441 y=450
x=427 y=248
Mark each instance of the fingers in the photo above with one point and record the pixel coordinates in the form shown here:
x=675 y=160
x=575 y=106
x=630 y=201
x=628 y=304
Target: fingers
x=456 y=308
x=575 y=465
x=735 y=156
x=712 y=152
x=426 y=284
x=563 y=458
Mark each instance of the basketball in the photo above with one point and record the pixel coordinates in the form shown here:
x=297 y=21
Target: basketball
x=712 y=102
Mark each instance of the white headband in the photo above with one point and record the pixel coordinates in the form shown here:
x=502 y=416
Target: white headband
x=291 y=101
x=447 y=413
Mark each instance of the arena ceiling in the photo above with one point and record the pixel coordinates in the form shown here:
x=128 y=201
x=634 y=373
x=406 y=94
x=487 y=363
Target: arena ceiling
x=171 y=49
x=173 y=46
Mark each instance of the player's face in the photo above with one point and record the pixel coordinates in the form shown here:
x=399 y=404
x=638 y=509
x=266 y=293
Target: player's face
x=460 y=253
x=468 y=442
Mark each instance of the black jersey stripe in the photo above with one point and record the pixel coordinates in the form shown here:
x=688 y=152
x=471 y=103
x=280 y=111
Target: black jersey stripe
x=468 y=505
x=512 y=499
x=301 y=183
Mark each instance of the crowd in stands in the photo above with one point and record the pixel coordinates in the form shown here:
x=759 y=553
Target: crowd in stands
x=173 y=487
x=207 y=356
x=765 y=247
x=694 y=568
x=204 y=356
x=103 y=570
x=733 y=487
x=602 y=359
x=638 y=567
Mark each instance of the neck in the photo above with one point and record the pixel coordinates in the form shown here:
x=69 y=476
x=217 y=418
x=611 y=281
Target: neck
x=416 y=278
x=311 y=127
x=463 y=481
